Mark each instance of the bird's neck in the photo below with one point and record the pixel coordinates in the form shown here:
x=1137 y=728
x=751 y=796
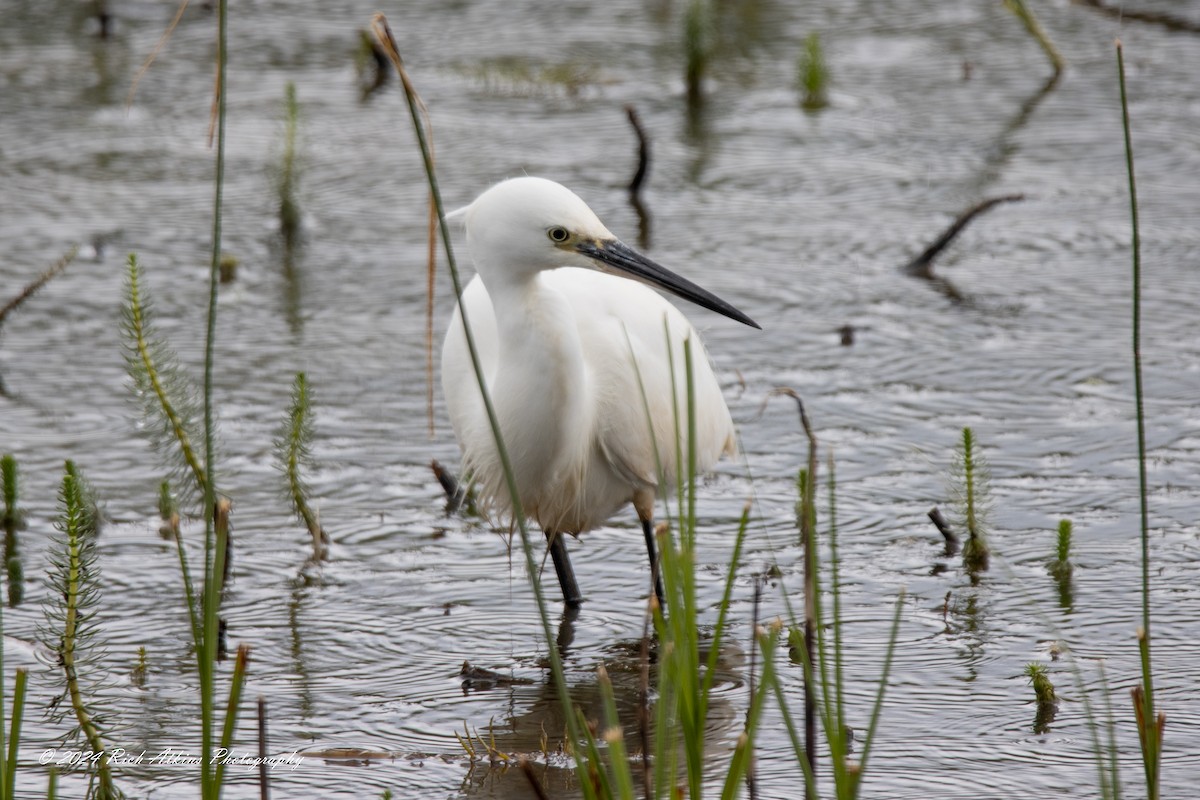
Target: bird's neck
x=541 y=386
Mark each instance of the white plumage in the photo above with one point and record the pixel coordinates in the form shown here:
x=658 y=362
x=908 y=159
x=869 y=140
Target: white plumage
x=562 y=347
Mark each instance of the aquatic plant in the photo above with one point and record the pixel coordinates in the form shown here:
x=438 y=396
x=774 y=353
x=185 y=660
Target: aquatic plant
x=969 y=481
x=10 y=737
x=1062 y=548
x=1043 y=690
x=812 y=74
x=1025 y=14
x=685 y=682
x=824 y=669
x=168 y=397
x=293 y=449
x=70 y=629
x=1150 y=725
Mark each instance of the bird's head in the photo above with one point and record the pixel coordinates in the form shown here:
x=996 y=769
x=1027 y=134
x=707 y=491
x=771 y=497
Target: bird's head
x=525 y=225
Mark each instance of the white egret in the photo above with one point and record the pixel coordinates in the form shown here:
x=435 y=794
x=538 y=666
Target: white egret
x=562 y=346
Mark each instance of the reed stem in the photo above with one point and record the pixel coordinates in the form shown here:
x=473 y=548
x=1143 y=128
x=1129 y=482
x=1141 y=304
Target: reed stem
x=206 y=648
x=1149 y=725
x=417 y=111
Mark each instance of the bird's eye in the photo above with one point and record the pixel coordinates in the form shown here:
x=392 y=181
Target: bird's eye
x=558 y=235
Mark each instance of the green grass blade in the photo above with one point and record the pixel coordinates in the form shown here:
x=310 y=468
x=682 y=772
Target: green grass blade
x=1149 y=723
x=618 y=759
x=744 y=752
x=387 y=40
x=207 y=647
x=14 y=733
x=794 y=736
x=877 y=707
x=231 y=708
x=719 y=631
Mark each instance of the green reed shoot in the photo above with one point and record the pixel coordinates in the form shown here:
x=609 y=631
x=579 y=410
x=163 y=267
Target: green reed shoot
x=812 y=74
x=1025 y=14
x=970 y=482
x=617 y=781
x=236 y=684
x=1039 y=679
x=71 y=618
x=1062 y=549
x=1150 y=725
x=10 y=739
x=9 y=485
x=821 y=658
x=293 y=448
x=9 y=779
x=1060 y=567
x=1047 y=700
x=683 y=695
x=160 y=385
x=805 y=638
x=168 y=397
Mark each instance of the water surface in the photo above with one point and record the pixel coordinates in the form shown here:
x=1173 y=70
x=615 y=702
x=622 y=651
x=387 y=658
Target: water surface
x=802 y=220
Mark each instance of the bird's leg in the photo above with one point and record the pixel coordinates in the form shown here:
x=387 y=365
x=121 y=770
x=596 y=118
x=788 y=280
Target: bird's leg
x=643 y=503
x=563 y=568
x=652 y=551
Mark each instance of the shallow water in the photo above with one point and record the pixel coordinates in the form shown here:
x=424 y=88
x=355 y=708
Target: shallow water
x=802 y=220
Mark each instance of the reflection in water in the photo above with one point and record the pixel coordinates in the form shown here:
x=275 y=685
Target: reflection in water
x=293 y=281
x=300 y=586
x=965 y=624
x=1002 y=150
x=922 y=265
x=371 y=65
x=536 y=729
x=639 y=177
x=1062 y=574
x=997 y=158
x=566 y=630
x=13 y=568
x=1044 y=716
x=11 y=518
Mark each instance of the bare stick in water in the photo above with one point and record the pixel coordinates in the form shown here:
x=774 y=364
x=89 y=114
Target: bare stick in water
x=922 y=265
x=1168 y=21
x=939 y=521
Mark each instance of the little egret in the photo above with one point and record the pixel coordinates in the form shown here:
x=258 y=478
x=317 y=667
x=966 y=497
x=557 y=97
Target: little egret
x=577 y=364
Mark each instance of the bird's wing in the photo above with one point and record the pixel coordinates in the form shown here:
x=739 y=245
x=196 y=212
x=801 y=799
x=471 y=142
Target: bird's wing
x=625 y=328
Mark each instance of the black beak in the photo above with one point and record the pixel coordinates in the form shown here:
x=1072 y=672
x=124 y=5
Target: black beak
x=618 y=257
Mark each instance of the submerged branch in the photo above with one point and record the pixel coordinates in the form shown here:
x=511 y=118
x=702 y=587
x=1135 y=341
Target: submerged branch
x=1168 y=21
x=922 y=265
